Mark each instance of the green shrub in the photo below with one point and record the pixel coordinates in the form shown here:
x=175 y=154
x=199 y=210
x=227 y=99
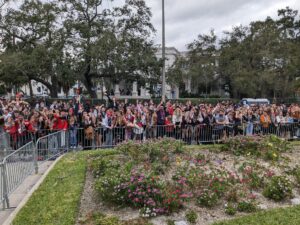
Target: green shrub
x=252 y=175
x=158 y=168
x=232 y=195
x=246 y=206
x=133 y=150
x=279 y=188
x=208 y=199
x=200 y=156
x=268 y=147
x=105 y=186
x=191 y=216
x=272 y=155
x=243 y=145
x=230 y=209
x=99 y=166
x=170 y=222
x=152 y=150
x=296 y=173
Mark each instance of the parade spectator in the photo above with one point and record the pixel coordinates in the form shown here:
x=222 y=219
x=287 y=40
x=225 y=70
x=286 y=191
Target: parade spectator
x=92 y=125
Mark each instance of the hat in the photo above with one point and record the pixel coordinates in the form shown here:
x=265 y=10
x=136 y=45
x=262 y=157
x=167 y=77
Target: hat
x=19 y=95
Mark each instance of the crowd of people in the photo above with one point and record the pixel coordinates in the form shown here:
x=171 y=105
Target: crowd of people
x=107 y=125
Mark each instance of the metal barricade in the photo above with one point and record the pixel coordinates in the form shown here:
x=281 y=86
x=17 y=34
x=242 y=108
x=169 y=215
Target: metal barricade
x=287 y=131
x=100 y=137
x=15 y=168
x=52 y=145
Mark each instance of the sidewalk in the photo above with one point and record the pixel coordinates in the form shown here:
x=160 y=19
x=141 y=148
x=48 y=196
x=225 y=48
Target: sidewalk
x=18 y=195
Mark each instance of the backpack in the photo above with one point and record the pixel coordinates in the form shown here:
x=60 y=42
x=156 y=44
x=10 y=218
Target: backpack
x=89 y=133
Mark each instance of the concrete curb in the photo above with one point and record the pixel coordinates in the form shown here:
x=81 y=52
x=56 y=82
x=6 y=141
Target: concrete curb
x=12 y=216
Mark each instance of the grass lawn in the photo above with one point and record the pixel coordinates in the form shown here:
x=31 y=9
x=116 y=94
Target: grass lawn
x=286 y=216
x=56 y=202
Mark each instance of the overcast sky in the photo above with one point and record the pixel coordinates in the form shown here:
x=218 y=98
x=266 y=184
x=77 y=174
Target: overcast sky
x=185 y=19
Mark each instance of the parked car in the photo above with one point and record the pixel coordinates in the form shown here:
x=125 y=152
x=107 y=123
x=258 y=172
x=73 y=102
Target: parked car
x=253 y=101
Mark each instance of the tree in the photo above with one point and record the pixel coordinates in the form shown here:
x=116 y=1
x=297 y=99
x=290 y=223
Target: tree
x=200 y=66
x=261 y=60
x=111 y=42
x=34 y=42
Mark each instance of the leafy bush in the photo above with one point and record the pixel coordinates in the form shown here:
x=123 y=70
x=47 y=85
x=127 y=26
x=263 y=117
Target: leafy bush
x=99 y=166
x=243 y=145
x=207 y=199
x=106 y=185
x=233 y=194
x=279 y=188
x=268 y=147
x=246 y=206
x=191 y=216
x=296 y=173
x=133 y=150
x=230 y=209
x=152 y=150
x=251 y=175
x=170 y=222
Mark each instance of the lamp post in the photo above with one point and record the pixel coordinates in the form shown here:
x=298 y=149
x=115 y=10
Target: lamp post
x=163 y=53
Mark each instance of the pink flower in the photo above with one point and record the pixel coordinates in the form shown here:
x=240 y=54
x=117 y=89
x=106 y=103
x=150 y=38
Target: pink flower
x=184 y=196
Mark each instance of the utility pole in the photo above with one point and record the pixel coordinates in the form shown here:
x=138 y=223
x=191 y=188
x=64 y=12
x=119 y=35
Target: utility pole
x=163 y=53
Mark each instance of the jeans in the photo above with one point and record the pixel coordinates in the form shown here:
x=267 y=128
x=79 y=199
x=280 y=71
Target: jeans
x=73 y=138
x=249 y=129
x=109 y=137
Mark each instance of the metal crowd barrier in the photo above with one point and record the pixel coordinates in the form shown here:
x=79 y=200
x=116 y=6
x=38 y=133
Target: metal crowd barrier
x=52 y=145
x=14 y=169
x=49 y=144
x=100 y=137
x=286 y=130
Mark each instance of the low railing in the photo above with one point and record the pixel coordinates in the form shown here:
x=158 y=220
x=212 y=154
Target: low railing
x=52 y=145
x=16 y=140
x=190 y=134
x=15 y=168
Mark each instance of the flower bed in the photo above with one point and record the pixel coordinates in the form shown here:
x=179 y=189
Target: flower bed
x=162 y=179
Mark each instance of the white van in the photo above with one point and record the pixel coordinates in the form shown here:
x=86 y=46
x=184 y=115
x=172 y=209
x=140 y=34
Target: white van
x=255 y=101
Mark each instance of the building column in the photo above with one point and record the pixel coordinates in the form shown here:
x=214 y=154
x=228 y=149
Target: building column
x=117 y=90
x=188 y=88
x=143 y=92
x=134 y=89
x=176 y=92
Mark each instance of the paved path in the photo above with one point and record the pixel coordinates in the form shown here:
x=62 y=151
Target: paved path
x=18 y=195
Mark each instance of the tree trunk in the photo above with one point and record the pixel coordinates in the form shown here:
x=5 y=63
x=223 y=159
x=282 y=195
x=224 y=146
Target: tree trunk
x=30 y=89
x=53 y=86
x=88 y=83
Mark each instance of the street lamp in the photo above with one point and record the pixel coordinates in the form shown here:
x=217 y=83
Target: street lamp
x=163 y=52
